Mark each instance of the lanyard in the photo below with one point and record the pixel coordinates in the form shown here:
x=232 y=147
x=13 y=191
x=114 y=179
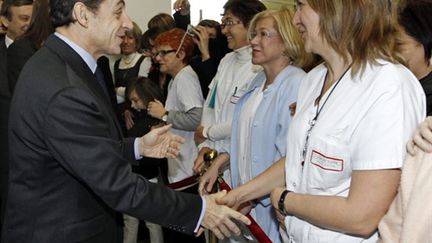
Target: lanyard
x=318 y=111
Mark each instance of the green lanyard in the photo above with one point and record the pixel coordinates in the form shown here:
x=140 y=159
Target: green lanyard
x=213 y=98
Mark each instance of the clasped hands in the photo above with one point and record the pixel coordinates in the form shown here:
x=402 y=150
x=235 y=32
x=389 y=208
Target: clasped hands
x=220 y=219
x=223 y=207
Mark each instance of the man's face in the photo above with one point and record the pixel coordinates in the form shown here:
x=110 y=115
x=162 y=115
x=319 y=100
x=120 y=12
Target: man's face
x=2 y=27
x=107 y=27
x=19 y=20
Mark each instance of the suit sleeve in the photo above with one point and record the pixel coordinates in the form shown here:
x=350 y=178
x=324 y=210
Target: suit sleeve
x=80 y=136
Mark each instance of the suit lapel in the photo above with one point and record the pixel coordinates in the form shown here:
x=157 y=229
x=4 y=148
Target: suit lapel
x=81 y=69
x=77 y=64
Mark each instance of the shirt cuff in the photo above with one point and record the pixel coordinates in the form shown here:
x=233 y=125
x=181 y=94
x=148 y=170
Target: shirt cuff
x=136 y=149
x=205 y=132
x=203 y=210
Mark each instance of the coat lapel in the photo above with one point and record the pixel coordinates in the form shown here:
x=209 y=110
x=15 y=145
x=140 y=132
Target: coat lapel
x=81 y=69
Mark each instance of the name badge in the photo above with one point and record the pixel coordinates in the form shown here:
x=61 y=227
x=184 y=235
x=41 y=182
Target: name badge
x=235 y=96
x=234 y=99
x=326 y=162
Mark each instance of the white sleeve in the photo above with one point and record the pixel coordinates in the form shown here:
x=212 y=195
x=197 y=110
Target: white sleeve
x=380 y=138
x=145 y=67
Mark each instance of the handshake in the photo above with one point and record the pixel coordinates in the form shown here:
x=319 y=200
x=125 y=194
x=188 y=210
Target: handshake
x=219 y=216
x=221 y=219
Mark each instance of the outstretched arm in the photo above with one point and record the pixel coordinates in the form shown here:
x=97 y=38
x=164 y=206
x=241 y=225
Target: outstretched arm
x=258 y=187
x=370 y=195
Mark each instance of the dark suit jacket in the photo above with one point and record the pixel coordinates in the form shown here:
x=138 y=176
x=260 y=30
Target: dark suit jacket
x=4 y=115
x=18 y=53
x=70 y=166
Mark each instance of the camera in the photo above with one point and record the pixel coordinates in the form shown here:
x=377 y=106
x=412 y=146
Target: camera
x=190 y=30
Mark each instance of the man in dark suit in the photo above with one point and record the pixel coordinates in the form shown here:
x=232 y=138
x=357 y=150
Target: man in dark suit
x=15 y=15
x=70 y=170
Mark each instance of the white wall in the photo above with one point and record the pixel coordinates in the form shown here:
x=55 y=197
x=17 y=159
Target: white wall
x=210 y=9
x=141 y=11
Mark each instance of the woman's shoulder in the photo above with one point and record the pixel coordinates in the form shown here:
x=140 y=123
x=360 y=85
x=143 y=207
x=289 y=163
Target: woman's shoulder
x=387 y=73
x=187 y=74
x=227 y=59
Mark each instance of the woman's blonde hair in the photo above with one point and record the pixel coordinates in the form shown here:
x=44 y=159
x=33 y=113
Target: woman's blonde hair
x=282 y=20
x=364 y=30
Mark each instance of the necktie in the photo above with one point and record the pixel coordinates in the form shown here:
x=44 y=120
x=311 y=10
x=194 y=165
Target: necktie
x=101 y=80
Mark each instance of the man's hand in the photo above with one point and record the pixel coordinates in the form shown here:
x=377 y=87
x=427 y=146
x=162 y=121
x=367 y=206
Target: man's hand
x=198 y=135
x=422 y=138
x=156 y=109
x=199 y=161
x=160 y=143
x=219 y=219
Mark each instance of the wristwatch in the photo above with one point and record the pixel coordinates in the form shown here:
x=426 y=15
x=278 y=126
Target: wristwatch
x=281 y=203
x=165 y=117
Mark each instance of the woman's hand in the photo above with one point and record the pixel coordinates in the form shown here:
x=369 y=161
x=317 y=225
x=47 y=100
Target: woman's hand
x=202 y=41
x=156 y=109
x=199 y=161
x=422 y=138
x=208 y=180
x=210 y=176
x=275 y=196
x=128 y=116
x=183 y=6
x=199 y=136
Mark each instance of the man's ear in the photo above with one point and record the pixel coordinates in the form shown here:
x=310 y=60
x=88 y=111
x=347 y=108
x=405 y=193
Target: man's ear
x=5 y=21
x=80 y=14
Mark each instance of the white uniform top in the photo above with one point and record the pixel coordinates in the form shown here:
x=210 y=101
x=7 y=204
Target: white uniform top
x=232 y=80
x=245 y=132
x=234 y=75
x=184 y=93
x=364 y=125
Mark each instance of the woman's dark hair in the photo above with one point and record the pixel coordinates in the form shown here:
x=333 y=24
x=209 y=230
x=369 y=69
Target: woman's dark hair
x=146 y=90
x=161 y=21
x=245 y=10
x=211 y=24
x=40 y=25
x=61 y=10
x=416 y=19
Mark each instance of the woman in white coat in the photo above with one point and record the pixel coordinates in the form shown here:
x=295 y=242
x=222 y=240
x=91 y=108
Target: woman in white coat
x=355 y=113
x=261 y=116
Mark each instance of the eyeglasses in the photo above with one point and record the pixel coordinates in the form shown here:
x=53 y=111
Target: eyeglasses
x=163 y=53
x=262 y=34
x=229 y=23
